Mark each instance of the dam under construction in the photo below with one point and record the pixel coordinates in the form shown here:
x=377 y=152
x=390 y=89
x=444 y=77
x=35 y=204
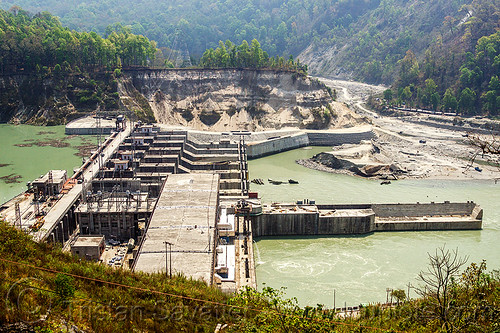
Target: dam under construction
x=183 y=198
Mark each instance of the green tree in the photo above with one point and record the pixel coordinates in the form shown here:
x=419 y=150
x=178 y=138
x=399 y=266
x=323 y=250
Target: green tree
x=467 y=101
x=449 y=101
x=388 y=95
x=65 y=288
x=409 y=69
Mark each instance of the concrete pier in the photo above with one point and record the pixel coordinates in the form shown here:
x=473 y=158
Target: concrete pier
x=90 y=126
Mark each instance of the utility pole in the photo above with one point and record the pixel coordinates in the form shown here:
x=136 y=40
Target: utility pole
x=168 y=259
x=18 y=216
x=334 y=300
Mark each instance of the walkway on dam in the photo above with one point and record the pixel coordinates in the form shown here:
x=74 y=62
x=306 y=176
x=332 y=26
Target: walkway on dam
x=185 y=216
x=61 y=207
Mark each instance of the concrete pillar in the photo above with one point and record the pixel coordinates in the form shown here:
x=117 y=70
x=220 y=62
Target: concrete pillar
x=56 y=234
x=118 y=224
x=61 y=226
x=67 y=226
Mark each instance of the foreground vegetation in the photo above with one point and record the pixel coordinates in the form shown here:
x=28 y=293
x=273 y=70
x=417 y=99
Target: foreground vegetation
x=50 y=291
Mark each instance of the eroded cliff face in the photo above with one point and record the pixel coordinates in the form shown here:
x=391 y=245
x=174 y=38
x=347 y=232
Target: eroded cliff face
x=233 y=99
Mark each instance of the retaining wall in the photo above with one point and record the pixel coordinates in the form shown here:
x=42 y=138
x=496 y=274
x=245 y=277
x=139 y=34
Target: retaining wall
x=366 y=218
x=311 y=224
x=309 y=138
x=427 y=209
x=87 y=130
x=278 y=145
x=451 y=224
x=338 y=138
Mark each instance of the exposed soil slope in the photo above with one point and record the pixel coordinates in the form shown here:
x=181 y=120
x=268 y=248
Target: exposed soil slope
x=235 y=99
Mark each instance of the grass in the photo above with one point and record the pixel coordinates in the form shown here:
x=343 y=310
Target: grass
x=50 y=291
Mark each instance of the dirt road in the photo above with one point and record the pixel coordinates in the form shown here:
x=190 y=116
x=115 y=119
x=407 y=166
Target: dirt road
x=423 y=151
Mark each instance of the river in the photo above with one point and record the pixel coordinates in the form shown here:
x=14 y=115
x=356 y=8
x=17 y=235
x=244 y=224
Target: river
x=360 y=268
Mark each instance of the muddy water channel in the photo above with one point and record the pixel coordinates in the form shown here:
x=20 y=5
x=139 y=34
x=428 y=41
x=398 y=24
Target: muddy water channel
x=360 y=268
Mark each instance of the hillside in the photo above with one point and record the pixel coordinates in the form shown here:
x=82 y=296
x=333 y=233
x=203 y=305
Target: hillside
x=45 y=290
x=459 y=72
x=234 y=99
x=359 y=39
x=355 y=39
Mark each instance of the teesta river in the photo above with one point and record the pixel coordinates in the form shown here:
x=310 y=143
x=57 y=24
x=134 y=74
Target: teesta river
x=358 y=268
x=361 y=268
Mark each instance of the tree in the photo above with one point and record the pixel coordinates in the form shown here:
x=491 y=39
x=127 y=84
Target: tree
x=399 y=294
x=467 y=101
x=388 y=95
x=65 y=288
x=486 y=146
x=406 y=94
x=439 y=280
x=409 y=69
x=449 y=101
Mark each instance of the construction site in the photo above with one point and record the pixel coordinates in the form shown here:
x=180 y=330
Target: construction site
x=153 y=199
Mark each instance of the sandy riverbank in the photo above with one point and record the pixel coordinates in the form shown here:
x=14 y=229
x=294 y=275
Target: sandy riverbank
x=419 y=151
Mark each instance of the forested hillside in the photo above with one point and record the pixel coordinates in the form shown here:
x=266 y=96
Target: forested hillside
x=365 y=40
x=460 y=70
x=40 y=43
x=50 y=74
x=281 y=26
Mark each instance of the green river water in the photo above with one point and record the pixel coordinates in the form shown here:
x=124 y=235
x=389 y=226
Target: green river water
x=31 y=162
x=358 y=268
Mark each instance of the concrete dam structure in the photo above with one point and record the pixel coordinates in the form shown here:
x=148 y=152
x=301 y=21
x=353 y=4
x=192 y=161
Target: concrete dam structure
x=321 y=220
x=182 y=198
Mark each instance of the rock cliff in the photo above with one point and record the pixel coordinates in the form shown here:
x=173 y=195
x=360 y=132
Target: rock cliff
x=230 y=99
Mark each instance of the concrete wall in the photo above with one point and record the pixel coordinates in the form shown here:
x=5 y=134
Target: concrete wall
x=309 y=138
x=87 y=130
x=310 y=224
x=277 y=145
x=346 y=225
x=450 y=224
x=285 y=224
x=428 y=209
x=360 y=219
x=340 y=138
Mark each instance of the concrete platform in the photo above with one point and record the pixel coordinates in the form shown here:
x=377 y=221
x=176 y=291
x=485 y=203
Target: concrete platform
x=185 y=216
x=88 y=126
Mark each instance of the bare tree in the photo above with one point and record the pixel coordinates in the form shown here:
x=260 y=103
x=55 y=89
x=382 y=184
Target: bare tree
x=438 y=281
x=486 y=146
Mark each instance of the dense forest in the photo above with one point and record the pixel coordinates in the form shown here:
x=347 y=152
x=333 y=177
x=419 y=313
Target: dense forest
x=40 y=43
x=428 y=51
x=282 y=26
x=459 y=72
